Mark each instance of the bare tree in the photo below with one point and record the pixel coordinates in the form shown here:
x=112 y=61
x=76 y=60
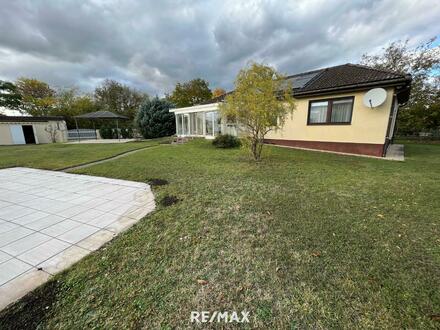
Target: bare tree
x=52 y=130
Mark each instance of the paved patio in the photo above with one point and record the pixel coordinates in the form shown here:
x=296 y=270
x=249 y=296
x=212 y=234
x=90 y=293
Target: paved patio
x=49 y=220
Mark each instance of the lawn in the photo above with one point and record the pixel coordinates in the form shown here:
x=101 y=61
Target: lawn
x=301 y=240
x=57 y=156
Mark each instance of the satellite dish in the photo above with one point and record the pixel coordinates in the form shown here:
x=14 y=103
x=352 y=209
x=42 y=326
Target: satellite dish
x=375 y=97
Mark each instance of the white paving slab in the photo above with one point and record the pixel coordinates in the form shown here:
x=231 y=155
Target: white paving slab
x=6 y=226
x=50 y=220
x=4 y=257
x=14 y=235
x=60 y=228
x=11 y=269
x=26 y=243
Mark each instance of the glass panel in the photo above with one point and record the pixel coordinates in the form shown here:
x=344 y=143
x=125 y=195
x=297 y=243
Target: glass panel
x=185 y=125
x=217 y=123
x=199 y=121
x=193 y=123
x=341 y=111
x=318 y=112
x=179 y=124
x=208 y=123
x=230 y=129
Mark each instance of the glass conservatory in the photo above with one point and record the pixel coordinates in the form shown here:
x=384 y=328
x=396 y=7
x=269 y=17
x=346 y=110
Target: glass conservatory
x=201 y=121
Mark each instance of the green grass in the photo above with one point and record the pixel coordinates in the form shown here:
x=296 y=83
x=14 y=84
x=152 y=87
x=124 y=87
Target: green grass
x=58 y=155
x=301 y=240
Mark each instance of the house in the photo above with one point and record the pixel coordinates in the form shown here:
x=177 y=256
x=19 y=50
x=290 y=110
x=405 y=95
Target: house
x=32 y=130
x=332 y=112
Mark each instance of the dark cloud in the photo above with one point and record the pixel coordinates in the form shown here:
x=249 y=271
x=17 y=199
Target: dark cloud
x=153 y=44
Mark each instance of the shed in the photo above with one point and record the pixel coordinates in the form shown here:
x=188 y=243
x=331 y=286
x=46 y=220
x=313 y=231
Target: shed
x=32 y=130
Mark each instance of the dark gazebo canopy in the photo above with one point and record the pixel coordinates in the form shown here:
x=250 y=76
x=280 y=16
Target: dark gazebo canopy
x=100 y=115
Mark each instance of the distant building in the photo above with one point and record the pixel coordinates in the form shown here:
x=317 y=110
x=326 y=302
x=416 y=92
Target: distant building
x=331 y=111
x=31 y=130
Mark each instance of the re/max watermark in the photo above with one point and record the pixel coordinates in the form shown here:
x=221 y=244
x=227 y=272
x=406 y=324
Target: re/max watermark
x=219 y=317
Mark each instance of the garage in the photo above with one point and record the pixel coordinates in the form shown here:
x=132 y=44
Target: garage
x=17 y=130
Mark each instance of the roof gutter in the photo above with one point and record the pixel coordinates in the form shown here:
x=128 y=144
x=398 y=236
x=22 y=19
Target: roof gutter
x=29 y=119
x=196 y=108
x=383 y=83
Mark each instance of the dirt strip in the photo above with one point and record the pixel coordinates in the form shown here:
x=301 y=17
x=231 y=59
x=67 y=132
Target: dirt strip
x=95 y=162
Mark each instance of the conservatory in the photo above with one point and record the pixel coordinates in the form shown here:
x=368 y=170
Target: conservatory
x=201 y=121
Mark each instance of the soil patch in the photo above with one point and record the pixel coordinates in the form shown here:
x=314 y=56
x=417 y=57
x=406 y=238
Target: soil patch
x=169 y=200
x=157 y=182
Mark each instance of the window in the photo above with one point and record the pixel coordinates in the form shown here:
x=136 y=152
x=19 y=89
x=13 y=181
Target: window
x=209 y=129
x=318 y=112
x=199 y=122
x=192 y=124
x=185 y=124
x=328 y=112
x=179 y=124
x=217 y=123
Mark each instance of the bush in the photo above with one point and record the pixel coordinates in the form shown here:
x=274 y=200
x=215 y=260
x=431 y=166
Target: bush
x=126 y=132
x=106 y=132
x=154 y=119
x=226 y=141
x=109 y=132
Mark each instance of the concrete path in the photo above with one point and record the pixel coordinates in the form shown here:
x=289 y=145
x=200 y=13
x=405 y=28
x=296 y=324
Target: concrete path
x=49 y=220
x=95 y=162
x=396 y=152
x=100 y=141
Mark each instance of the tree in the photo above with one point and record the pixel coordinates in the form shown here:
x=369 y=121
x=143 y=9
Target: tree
x=190 y=93
x=70 y=102
x=38 y=98
x=52 y=130
x=154 y=119
x=423 y=63
x=421 y=114
x=218 y=92
x=116 y=97
x=9 y=97
x=260 y=103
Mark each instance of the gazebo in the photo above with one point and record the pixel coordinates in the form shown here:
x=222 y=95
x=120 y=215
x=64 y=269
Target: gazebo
x=105 y=115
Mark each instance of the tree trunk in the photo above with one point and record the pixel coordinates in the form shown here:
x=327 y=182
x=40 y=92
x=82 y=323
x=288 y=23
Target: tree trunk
x=256 y=148
x=260 y=148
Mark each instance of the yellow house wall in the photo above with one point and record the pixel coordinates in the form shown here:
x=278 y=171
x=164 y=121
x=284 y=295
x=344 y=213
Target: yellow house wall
x=367 y=125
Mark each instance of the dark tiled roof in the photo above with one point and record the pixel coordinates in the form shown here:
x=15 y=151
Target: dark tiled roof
x=339 y=78
x=28 y=119
x=350 y=76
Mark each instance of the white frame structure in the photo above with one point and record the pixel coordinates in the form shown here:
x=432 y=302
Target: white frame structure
x=199 y=114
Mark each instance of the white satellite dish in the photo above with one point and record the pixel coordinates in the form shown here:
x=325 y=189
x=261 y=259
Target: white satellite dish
x=375 y=97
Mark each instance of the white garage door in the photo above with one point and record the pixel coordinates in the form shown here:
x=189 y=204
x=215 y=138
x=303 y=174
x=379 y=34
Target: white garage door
x=17 y=134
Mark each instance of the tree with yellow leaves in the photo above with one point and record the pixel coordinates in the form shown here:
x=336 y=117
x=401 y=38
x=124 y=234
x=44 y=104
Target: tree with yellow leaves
x=260 y=103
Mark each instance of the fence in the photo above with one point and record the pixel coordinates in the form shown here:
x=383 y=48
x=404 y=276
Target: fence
x=82 y=133
x=427 y=135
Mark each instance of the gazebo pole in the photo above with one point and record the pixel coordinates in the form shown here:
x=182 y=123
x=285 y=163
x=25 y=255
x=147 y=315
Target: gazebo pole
x=117 y=130
x=77 y=130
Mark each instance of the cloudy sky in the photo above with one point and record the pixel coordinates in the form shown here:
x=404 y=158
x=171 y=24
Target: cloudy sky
x=151 y=45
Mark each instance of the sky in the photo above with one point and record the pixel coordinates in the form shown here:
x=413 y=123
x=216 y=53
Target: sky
x=152 y=45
